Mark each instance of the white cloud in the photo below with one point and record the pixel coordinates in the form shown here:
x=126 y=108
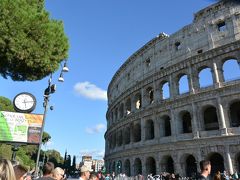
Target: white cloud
x=90 y=91
x=96 y=129
x=94 y=153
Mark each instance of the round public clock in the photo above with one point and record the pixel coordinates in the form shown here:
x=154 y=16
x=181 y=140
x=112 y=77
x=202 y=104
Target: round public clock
x=24 y=102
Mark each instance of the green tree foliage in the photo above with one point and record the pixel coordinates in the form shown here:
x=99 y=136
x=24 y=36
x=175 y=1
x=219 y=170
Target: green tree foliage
x=31 y=44
x=45 y=138
x=73 y=163
x=55 y=157
x=5 y=151
x=6 y=104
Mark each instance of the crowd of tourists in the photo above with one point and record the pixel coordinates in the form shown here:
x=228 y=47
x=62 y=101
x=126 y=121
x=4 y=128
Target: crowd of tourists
x=14 y=171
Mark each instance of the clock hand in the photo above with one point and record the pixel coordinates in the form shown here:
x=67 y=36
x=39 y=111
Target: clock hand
x=24 y=102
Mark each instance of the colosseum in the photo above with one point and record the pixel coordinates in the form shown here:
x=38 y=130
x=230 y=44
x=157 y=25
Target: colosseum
x=176 y=100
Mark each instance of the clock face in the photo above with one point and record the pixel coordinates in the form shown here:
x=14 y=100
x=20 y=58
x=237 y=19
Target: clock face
x=24 y=102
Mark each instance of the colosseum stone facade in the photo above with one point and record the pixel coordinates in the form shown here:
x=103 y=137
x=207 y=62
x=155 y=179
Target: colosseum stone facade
x=173 y=104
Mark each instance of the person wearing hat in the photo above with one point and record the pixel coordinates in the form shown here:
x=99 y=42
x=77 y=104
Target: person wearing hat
x=85 y=173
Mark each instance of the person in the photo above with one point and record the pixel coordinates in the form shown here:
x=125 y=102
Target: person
x=205 y=167
x=100 y=176
x=58 y=173
x=217 y=176
x=108 y=177
x=113 y=175
x=93 y=176
x=20 y=172
x=47 y=171
x=6 y=170
x=85 y=173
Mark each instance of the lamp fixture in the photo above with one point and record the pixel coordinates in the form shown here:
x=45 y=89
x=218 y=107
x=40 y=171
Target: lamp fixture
x=61 y=79
x=65 y=68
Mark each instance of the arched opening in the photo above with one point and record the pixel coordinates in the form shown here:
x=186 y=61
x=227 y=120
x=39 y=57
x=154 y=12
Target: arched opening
x=231 y=70
x=149 y=130
x=127 y=135
x=128 y=106
x=217 y=163
x=137 y=167
x=127 y=168
x=183 y=84
x=235 y=114
x=119 y=167
x=191 y=166
x=119 y=138
x=137 y=132
x=165 y=90
x=150 y=95
x=151 y=166
x=205 y=78
x=113 y=167
x=167 y=164
x=110 y=142
x=114 y=140
x=112 y=118
x=186 y=122
x=138 y=101
x=116 y=115
x=210 y=119
x=121 y=111
x=167 y=126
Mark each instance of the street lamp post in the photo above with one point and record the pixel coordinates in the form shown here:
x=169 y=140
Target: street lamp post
x=49 y=90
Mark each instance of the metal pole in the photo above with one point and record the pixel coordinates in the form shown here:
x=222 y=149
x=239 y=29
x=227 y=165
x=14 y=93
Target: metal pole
x=14 y=151
x=45 y=104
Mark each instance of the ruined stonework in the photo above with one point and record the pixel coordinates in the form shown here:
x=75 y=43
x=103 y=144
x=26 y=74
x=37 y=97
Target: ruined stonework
x=151 y=131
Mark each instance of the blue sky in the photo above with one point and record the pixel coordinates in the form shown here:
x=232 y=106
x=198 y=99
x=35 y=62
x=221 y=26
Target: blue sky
x=102 y=35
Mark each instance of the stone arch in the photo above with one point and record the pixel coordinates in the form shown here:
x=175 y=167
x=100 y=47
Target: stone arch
x=165 y=126
x=114 y=140
x=127 y=167
x=138 y=101
x=191 y=166
x=183 y=86
x=137 y=166
x=149 y=129
x=128 y=106
x=119 y=138
x=210 y=118
x=137 y=132
x=119 y=166
x=150 y=166
x=231 y=70
x=149 y=95
x=205 y=76
x=121 y=110
x=217 y=162
x=126 y=135
x=234 y=111
x=116 y=115
x=112 y=117
x=167 y=164
x=186 y=122
x=165 y=90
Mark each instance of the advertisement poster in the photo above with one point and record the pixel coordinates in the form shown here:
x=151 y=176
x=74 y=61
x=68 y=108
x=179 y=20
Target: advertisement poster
x=20 y=127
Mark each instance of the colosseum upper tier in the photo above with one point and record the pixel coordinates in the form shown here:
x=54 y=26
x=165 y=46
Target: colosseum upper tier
x=176 y=101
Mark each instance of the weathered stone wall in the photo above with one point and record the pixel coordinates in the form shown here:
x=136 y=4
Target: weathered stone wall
x=146 y=127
